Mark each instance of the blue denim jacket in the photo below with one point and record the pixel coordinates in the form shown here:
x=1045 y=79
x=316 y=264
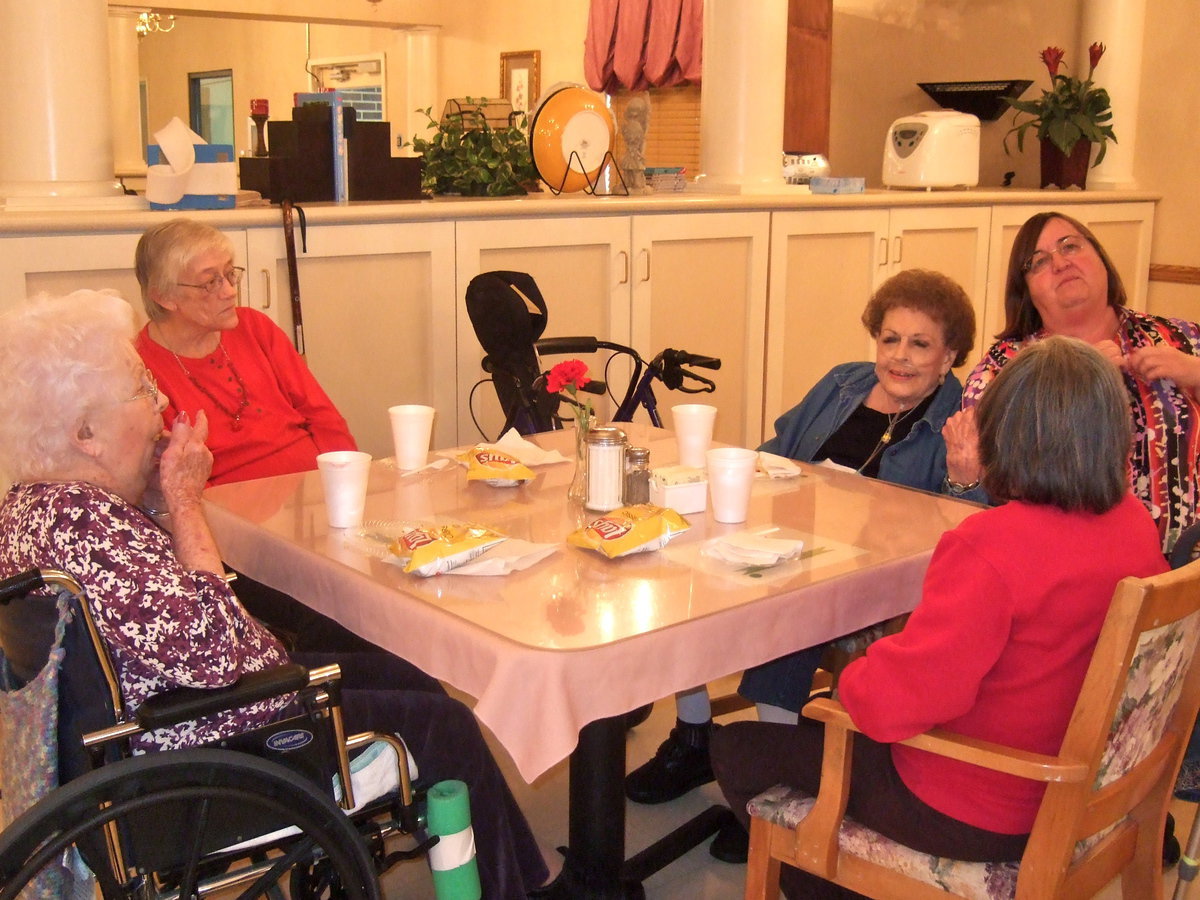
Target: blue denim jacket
x=918 y=461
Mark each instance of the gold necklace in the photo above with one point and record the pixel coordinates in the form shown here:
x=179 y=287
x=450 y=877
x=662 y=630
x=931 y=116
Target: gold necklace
x=894 y=419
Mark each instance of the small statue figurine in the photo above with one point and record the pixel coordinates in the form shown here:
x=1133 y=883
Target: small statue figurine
x=634 y=124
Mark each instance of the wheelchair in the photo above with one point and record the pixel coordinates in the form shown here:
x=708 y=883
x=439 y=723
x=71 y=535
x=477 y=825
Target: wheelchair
x=251 y=815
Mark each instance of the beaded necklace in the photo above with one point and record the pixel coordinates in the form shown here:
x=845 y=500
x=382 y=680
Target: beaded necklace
x=243 y=397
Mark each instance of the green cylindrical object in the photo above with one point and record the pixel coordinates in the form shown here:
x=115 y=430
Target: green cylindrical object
x=452 y=859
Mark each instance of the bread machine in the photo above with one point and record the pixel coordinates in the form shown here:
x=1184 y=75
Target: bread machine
x=936 y=149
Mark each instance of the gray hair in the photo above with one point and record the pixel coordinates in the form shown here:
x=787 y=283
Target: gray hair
x=59 y=357
x=164 y=251
x=1054 y=428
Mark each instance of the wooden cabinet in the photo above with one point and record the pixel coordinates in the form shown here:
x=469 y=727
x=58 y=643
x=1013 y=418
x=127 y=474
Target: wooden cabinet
x=61 y=263
x=378 y=306
x=693 y=282
x=825 y=264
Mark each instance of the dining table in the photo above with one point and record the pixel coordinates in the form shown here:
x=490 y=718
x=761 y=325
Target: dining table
x=556 y=654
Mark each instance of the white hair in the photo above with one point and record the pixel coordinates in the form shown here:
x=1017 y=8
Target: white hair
x=59 y=356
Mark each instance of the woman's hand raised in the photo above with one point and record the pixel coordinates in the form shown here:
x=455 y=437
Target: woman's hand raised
x=962 y=447
x=183 y=472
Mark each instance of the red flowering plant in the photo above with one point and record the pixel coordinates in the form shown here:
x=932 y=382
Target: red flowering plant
x=571 y=376
x=1072 y=110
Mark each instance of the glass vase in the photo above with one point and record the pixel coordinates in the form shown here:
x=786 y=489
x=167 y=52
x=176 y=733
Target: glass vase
x=577 y=492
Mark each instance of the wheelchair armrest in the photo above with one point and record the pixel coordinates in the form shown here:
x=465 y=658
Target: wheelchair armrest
x=184 y=704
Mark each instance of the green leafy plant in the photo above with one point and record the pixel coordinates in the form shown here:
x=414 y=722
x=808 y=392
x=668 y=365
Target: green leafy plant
x=466 y=156
x=1072 y=110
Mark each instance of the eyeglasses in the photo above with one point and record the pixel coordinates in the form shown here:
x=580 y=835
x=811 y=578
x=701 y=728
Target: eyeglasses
x=149 y=388
x=214 y=284
x=1067 y=247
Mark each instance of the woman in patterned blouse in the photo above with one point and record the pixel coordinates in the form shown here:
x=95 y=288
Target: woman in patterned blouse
x=81 y=437
x=1060 y=281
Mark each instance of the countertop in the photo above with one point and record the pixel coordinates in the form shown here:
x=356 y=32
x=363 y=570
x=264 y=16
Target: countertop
x=14 y=223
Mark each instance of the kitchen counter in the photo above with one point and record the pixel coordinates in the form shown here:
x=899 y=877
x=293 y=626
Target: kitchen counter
x=547 y=204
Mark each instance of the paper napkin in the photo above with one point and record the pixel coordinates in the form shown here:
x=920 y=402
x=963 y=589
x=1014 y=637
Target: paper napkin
x=747 y=548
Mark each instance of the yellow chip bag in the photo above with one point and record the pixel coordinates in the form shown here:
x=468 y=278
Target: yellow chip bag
x=433 y=549
x=495 y=467
x=630 y=529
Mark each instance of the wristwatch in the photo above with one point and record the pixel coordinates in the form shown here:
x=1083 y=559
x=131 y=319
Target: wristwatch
x=954 y=487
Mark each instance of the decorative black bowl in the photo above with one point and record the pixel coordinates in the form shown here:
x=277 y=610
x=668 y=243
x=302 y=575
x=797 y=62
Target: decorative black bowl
x=984 y=99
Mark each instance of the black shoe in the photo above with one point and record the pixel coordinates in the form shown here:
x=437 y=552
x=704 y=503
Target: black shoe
x=1170 y=849
x=680 y=764
x=636 y=717
x=732 y=843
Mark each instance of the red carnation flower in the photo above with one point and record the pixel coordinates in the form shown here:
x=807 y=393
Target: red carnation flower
x=571 y=373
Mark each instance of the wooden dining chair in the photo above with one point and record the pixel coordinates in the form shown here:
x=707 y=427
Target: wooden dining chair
x=1107 y=790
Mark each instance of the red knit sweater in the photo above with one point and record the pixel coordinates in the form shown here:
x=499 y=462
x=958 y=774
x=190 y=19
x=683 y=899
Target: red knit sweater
x=997 y=649
x=289 y=420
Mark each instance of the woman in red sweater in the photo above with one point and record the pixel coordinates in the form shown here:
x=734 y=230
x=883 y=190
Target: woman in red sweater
x=1012 y=605
x=267 y=414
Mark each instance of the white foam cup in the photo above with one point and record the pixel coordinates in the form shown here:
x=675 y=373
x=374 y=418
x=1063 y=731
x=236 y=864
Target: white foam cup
x=730 y=477
x=693 y=425
x=411 y=427
x=344 y=478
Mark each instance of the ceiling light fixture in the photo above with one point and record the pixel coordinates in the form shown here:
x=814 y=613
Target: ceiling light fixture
x=149 y=22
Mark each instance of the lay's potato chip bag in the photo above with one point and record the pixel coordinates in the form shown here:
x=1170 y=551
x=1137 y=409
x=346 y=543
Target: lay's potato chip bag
x=433 y=549
x=495 y=467
x=630 y=529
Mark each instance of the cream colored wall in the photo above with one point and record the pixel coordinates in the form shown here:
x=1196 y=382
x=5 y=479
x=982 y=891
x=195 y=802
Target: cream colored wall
x=1166 y=157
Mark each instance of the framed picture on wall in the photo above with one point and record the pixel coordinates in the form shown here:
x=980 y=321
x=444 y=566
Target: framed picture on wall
x=520 y=78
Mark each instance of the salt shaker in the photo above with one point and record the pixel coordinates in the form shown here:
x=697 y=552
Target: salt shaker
x=605 y=468
x=637 y=476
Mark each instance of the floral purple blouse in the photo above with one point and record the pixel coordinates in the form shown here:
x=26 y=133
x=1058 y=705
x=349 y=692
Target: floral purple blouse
x=1165 y=461
x=165 y=626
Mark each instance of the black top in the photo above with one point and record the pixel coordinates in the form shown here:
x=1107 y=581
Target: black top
x=858 y=443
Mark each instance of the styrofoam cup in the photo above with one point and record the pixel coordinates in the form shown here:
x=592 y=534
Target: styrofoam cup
x=730 y=477
x=344 y=477
x=411 y=428
x=693 y=425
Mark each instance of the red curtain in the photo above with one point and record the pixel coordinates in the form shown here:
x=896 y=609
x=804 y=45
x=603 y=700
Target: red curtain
x=636 y=44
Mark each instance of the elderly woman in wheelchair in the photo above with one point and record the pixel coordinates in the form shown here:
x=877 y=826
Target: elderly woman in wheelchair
x=82 y=440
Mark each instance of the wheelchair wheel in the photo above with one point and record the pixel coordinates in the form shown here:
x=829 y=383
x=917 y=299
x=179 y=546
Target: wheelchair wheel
x=177 y=813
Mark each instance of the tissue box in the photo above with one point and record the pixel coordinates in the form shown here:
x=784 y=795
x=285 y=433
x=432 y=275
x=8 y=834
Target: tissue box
x=216 y=171
x=680 y=488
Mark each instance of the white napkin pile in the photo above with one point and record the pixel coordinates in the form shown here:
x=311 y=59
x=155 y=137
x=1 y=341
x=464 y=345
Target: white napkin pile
x=748 y=548
x=511 y=555
x=775 y=466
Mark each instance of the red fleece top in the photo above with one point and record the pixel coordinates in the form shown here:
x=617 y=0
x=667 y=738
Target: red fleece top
x=290 y=419
x=998 y=647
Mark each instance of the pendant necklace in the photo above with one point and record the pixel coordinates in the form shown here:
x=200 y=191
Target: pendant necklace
x=894 y=419
x=243 y=400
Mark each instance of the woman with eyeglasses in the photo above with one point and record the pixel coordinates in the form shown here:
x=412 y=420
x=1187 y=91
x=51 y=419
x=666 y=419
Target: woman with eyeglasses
x=267 y=414
x=82 y=437
x=1061 y=282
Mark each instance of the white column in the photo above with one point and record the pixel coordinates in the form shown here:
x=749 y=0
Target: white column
x=420 y=84
x=741 y=95
x=1119 y=25
x=55 y=132
x=128 y=154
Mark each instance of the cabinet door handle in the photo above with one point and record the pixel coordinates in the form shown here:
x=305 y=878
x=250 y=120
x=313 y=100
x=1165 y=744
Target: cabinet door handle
x=645 y=255
x=883 y=251
x=266 y=279
x=897 y=248
x=624 y=254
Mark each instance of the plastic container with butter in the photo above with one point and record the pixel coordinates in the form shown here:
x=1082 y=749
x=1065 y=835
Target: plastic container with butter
x=681 y=488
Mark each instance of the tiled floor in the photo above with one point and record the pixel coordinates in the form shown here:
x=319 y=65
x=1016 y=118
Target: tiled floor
x=696 y=876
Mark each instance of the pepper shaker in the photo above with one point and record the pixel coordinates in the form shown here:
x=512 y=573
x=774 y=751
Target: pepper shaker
x=637 y=476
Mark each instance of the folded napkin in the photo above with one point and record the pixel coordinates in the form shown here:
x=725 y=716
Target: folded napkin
x=747 y=548
x=511 y=555
x=511 y=442
x=428 y=467
x=777 y=466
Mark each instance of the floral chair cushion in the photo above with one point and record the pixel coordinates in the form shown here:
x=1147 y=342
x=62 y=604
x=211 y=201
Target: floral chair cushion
x=1156 y=679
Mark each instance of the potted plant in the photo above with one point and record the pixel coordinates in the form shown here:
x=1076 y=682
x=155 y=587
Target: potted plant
x=465 y=155
x=1068 y=119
